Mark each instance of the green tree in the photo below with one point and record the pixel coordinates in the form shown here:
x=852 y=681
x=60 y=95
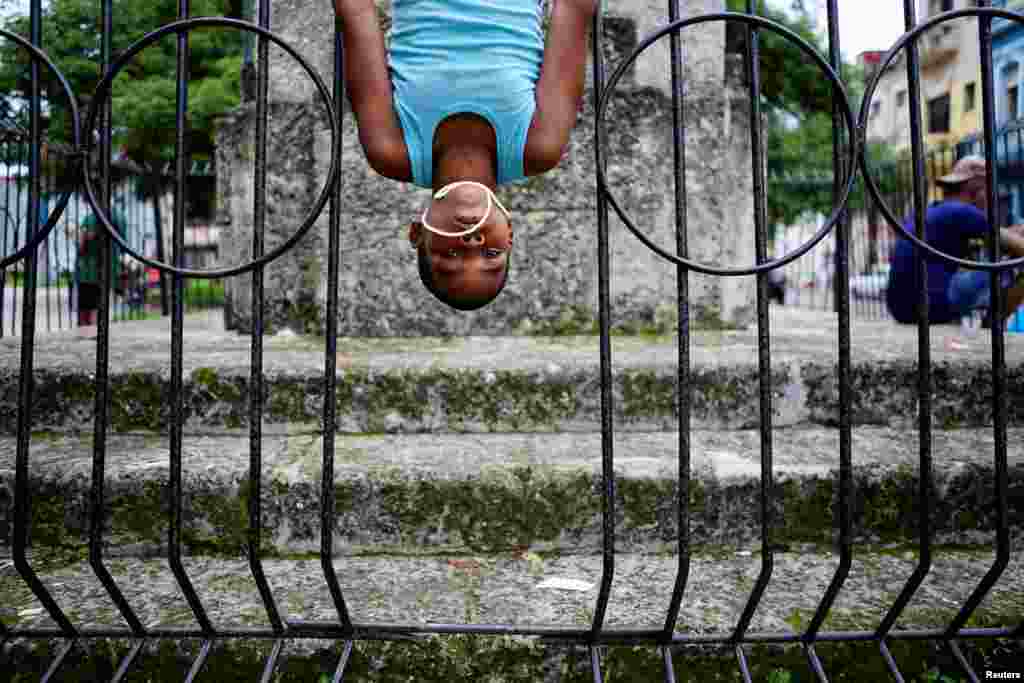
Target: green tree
x=797 y=101
x=143 y=95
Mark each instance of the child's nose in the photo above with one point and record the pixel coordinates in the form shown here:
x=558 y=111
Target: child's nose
x=473 y=238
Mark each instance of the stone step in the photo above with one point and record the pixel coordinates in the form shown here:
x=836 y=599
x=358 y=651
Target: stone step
x=527 y=590
x=520 y=384
x=489 y=493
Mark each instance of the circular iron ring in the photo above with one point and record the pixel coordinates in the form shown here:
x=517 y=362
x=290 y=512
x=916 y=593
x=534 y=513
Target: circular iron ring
x=862 y=125
x=184 y=26
x=837 y=86
x=41 y=234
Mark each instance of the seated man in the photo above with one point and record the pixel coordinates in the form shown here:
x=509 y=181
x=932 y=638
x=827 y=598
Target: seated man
x=466 y=96
x=950 y=225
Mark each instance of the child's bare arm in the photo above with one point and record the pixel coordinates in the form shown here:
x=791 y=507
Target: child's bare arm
x=369 y=89
x=560 y=88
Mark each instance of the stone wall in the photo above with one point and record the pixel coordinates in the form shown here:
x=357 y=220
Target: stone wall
x=553 y=283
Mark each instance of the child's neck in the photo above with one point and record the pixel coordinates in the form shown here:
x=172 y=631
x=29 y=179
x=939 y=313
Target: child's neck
x=465 y=149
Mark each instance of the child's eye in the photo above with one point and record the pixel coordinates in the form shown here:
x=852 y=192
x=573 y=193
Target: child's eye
x=493 y=253
x=452 y=253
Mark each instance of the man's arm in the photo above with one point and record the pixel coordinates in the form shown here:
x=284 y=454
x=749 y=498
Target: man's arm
x=1012 y=239
x=560 y=87
x=369 y=89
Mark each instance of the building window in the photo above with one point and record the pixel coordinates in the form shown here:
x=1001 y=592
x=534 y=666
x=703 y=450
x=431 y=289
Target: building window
x=969 y=97
x=941 y=6
x=938 y=114
x=901 y=98
x=1011 y=79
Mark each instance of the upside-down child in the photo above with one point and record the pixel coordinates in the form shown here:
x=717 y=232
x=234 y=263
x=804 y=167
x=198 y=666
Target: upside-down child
x=465 y=96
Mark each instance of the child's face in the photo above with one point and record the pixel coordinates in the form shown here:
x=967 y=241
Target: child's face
x=472 y=266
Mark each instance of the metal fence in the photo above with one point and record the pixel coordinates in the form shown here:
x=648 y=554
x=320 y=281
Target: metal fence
x=346 y=628
x=63 y=256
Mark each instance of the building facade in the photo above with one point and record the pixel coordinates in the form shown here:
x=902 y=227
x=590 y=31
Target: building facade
x=950 y=84
x=1007 y=58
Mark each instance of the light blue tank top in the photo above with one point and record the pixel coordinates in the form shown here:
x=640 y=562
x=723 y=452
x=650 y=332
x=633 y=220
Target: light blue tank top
x=465 y=56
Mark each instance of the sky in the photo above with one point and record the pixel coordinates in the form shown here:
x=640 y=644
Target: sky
x=869 y=25
x=864 y=24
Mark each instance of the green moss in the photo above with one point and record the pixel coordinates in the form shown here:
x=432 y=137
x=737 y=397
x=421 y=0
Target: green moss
x=77 y=389
x=143 y=516
x=505 y=399
x=137 y=402
x=207 y=380
x=890 y=504
x=501 y=511
x=287 y=400
x=402 y=393
x=645 y=393
x=49 y=533
x=807 y=509
x=229 y=519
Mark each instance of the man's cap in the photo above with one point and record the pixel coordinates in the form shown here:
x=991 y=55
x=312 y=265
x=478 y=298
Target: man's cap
x=972 y=166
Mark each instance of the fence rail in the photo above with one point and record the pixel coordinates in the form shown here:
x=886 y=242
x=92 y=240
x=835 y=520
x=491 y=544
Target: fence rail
x=346 y=626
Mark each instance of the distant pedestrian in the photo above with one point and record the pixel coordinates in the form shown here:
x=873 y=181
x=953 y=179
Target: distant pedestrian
x=88 y=269
x=950 y=225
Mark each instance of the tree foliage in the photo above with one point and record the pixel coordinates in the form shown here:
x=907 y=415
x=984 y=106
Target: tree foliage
x=797 y=101
x=144 y=92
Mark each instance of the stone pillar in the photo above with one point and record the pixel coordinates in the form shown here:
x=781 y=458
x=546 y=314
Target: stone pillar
x=553 y=282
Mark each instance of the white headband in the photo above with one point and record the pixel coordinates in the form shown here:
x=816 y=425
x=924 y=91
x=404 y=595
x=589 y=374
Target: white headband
x=443 y=192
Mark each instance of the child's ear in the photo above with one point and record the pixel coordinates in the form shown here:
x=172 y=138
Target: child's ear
x=415 y=233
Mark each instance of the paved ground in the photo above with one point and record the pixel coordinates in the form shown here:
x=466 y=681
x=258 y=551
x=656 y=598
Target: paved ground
x=795 y=335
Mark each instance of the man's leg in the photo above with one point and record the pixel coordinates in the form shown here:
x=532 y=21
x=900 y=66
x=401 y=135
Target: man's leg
x=972 y=289
x=1014 y=296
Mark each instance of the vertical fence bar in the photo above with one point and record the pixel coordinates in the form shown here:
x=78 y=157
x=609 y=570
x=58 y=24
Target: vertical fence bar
x=997 y=316
x=924 y=358
x=595 y=663
x=683 y=306
x=841 y=166
x=741 y=659
x=256 y=374
x=890 y=662
x=753 y=67
x=28 y=340
x=327 y=500
x=101 y=405
x=46 y=274
x=177 y=335
x=604 y=305
x=22 y=150
x=7 y=227
x=339 y=672
x=60 y=272
x=666 y=658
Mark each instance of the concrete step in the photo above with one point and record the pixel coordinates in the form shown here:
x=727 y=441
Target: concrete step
x=528 y=590
x=521 y=384
x=496 y=492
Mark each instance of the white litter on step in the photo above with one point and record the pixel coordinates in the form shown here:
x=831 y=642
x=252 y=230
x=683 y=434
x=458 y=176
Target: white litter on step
x=566 y=584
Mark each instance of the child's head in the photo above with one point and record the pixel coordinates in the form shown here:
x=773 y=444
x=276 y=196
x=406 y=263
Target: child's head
x=464 y=245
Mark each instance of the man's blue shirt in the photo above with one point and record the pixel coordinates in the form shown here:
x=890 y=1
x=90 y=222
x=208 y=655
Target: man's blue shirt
x=949 y=227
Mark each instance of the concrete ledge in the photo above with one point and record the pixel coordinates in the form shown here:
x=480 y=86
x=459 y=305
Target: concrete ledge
x=490 y=493
x=523 y=384
x=507 y=589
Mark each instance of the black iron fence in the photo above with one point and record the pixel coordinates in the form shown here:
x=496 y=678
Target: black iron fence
x=67 y=255
x=346 y=627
